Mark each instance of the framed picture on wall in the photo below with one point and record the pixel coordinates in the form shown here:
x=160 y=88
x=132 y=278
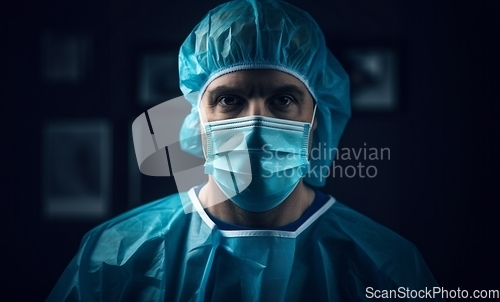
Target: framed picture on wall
x=65 y=57
x=157 y=76
x=373 y=74
x=76 y=169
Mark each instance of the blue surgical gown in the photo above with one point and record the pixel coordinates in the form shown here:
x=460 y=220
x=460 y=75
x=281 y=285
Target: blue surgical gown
x=157 y=252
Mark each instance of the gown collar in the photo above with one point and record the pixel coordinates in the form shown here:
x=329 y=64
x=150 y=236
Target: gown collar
x=253 y=233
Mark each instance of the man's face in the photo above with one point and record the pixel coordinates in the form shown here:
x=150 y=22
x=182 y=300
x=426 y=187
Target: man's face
x=268 y=93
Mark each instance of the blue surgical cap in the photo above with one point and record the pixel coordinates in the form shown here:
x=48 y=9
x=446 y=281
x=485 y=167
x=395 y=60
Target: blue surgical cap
x=267 y=34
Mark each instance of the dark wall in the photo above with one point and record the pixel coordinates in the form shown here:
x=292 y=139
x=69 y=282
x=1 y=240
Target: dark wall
x=438 y=190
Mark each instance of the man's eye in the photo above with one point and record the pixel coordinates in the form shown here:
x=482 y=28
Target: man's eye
x=228 y=101
x=283 y=101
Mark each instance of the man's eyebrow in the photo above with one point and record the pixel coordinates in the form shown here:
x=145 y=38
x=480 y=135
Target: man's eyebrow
x=288 y=89
x=222 y=89
x=282 y=89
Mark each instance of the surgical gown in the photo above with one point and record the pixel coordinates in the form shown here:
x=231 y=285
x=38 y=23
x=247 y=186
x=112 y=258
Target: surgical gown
x=158 y=253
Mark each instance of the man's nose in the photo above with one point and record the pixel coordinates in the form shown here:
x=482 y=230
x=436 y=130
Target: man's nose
x=257 y=107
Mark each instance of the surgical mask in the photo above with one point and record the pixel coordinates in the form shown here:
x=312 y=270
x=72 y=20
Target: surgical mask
x=257 y=161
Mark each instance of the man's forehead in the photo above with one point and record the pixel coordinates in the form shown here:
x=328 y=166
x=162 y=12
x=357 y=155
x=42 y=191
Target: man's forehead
x=234 y=88
x=268 y=81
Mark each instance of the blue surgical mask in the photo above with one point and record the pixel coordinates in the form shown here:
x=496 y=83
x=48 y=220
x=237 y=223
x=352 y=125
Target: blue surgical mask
x=257 y=161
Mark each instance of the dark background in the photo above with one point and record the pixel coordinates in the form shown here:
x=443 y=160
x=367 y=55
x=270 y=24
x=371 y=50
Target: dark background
x=439 y=190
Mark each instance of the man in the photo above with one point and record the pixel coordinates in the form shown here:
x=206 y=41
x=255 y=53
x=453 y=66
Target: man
x=268 y=90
